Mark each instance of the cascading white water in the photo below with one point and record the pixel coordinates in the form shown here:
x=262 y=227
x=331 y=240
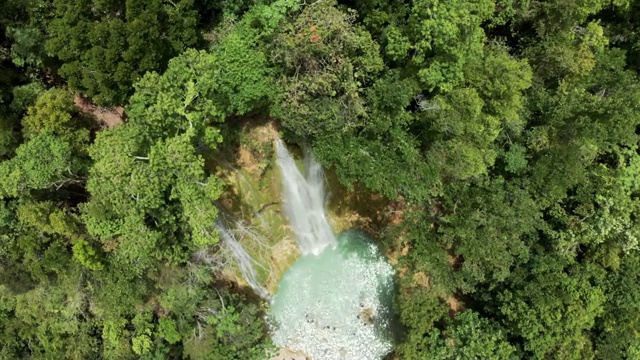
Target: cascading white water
x=333 y=303
x=244 y=260
x=304 y=202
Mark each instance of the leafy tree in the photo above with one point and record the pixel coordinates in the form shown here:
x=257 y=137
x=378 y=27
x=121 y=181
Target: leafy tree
x=576 y=126
x=44 y=162
x=568 y=54
x=459 y=117
x=617 y=326
x=46 y=217
x=470 y=336
x=556 y=16
x=8 y=136
x=167 y=329
x=25 y=96
x=324 y=59
x=238 y=334
x=603 y=210
x=551 y=305
x=464 y=125
x=419 y=311
x=362 y=159
x=489 y=232
x=106 y=46
x=87 y=255
x=146 y=179
x=175 y=159
x=445 y=36
x=54 y=112
x=27 y=48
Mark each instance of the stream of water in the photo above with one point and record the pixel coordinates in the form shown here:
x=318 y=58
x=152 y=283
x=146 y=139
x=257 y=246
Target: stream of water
x=304 y=202
x=334 y=302
x=244 y=260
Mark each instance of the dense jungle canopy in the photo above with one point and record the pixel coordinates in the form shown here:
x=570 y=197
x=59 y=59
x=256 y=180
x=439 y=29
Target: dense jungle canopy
x=502 y=133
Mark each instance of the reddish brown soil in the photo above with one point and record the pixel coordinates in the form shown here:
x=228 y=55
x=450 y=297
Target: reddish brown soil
x=109 y=117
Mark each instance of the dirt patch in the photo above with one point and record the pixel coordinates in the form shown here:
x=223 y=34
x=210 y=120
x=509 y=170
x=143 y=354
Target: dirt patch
x=455 y=306
x=248 y=161
x=395 y=211
x=422 y=279
x=267 y=133
x=454 y=261
x=255 y=148
x=356 y=208
x=283 y=254
x=109 y=117
x=399 y=249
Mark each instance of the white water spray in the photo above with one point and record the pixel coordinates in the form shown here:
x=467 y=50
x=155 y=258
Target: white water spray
x=304 y=202
x=245 y=261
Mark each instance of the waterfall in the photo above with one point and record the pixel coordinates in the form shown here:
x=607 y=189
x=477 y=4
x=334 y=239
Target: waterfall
x=244 y=260
x=334 y=302
x=304 y=202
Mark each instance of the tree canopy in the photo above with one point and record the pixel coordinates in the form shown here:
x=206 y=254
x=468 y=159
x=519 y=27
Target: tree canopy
x=502 y=137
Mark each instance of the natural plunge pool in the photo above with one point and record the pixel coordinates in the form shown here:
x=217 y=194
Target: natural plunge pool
x=336 y=305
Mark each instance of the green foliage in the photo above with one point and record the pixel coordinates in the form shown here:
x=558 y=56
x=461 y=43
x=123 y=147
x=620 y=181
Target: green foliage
x=569 y=54
x=152 y=166
x=46 y=217
x=42 y=320
x=25 y=96
x=489 y=232
x=470 y=336
x=500 y=80
x=194 y=92
x=8 y=136
x=168 y=330
x=238 y=333
x=552 y=305
x=468 y=135
x=504 y=133
x=44 y=162
x=113 y=333
x=476 y=337
x=55 y=113
x=445 y=36
x=247 y=80
x=405 y=173
x=144 y=330
x=618 y=337
x=175 y=159
x=465 y=124
x=515 y=159
x=106 y=46
x=87 y=255
x=419 y=311
x=180 y=98
x=27 y=48
x=605 y=209
x=555 y=16
x=324 y=59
